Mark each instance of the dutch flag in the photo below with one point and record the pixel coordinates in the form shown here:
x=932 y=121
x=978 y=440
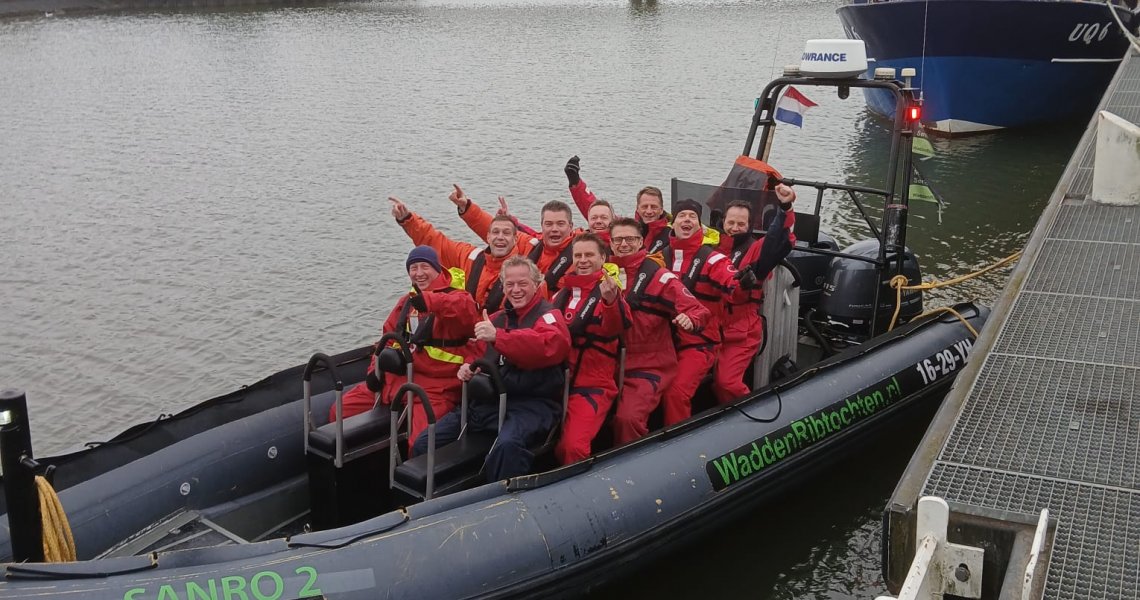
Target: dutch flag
x=792 y=106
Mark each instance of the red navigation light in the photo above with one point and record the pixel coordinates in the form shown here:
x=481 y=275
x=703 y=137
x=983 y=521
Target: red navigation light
x=915 y=113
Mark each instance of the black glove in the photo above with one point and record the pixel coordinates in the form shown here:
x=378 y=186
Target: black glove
x=417 y=299
x=571 y=169
x=747 y=279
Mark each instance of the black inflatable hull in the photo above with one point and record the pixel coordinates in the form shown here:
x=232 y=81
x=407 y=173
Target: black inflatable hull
x=544 y=535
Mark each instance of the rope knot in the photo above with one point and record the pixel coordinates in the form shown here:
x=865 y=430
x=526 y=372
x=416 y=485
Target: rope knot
x=898 y=281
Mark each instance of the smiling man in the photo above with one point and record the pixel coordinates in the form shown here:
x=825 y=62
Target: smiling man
x=481 y=266
x=549 y=250
x=710 y=276
x=657 y=301
x=435 y=320
x=597 y=314
x=529 y=341
x=650 y=207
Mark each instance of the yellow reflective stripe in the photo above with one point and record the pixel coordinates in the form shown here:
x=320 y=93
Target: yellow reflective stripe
x=442 y=355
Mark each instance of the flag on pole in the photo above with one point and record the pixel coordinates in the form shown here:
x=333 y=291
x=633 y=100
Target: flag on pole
x=790 y=108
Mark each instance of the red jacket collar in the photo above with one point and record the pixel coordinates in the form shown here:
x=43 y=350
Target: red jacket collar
x=586 y=282
x=630 y=261
x=440 y=283
x=692 y=244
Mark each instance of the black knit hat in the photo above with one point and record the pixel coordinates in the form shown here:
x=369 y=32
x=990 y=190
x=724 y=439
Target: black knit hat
x=688 y=204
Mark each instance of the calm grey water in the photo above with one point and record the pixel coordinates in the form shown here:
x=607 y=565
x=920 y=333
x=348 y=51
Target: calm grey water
x=191 y=201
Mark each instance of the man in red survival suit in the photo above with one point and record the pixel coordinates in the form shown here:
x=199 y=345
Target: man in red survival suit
x=529 y=342
x=436 y=323
x=650 y=209
x=657 y=301
x=742 y=327
x=480 y=266
x=597 y=315
x=550 y=251
x=710 y=276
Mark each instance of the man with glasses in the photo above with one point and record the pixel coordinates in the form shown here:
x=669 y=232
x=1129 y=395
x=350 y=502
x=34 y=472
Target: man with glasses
x=657 y=301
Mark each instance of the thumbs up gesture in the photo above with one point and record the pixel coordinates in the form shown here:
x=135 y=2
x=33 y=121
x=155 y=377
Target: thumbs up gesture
x=485 y=329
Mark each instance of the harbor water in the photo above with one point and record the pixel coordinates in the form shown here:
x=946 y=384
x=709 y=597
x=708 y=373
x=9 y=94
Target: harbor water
x=190 y=201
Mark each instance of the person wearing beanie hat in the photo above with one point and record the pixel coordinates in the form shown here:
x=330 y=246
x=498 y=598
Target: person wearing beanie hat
x=424 y=254
x=710 y=276
x=435 y=320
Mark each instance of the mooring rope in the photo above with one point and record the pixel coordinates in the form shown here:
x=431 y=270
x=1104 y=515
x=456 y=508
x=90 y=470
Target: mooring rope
x=899 y=282
x=59 y=545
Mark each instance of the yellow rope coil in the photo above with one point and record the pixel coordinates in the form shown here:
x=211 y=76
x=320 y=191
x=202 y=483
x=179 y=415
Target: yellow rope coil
x=59 y=545
x=899 y=282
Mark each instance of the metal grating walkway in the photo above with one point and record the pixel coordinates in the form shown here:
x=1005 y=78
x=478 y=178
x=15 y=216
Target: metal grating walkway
x=1052 y=417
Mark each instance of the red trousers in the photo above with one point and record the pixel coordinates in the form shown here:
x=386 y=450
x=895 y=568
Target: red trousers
x=647 y=376
x=693 y=364
x=743 y=334
x=585 y=413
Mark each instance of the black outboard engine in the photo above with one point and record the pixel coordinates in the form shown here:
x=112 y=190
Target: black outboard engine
x=812 y=268
x=844 y=312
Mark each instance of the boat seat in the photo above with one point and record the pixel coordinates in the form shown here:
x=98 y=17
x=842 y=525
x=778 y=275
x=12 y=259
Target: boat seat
x=360 y=431
x=459 y=460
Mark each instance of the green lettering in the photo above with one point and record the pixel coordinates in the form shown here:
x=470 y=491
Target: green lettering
x=724 y=465
x=769 y=454
x=308 y=590
x=130 y=595
x=854 y=408
x=278 y=586
x=237 y=589
x=836 y=422
x=879 y=400
x=790 y=442
x=896 y=387
x=800 y=430
x=166 y=592
x=745 y=466
x=845 y=415
x=754 y=456
x=195 y=591
x=779 y=446
x=818 y=428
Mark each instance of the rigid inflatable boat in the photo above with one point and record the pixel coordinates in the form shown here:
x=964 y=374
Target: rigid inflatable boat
x=251 y=496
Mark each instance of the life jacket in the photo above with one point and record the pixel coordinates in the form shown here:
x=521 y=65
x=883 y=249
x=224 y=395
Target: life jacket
x=695 y=273
x=494 y=300
x=558 y=269
x=541 y=383
x=580 y=323
x=660 y=241
x=740 y=248
x=638 y=299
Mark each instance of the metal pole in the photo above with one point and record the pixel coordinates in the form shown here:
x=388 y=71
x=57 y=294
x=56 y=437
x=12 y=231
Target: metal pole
x=24 y=520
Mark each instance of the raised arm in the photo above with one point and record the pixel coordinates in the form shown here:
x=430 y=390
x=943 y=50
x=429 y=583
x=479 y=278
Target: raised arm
x=581 y=194
x=422 y=233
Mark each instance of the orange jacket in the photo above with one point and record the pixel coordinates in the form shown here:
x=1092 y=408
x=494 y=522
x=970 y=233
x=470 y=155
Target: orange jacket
x=457 y=254
x=479 y=221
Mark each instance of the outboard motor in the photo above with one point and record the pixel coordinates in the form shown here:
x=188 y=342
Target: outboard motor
x=812 y=269
x=845 y=306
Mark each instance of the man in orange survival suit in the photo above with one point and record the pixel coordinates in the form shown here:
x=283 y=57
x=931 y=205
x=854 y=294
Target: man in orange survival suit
x=656 y=299
x=742 y=328
x=529 y=341
x=550 y=251
x=437 y=322
x=481 y=266
x=597 y=315
x=650 y=209
x=710 y=276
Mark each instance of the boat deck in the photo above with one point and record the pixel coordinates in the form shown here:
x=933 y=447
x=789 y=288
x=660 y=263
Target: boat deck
x=1050 y=415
